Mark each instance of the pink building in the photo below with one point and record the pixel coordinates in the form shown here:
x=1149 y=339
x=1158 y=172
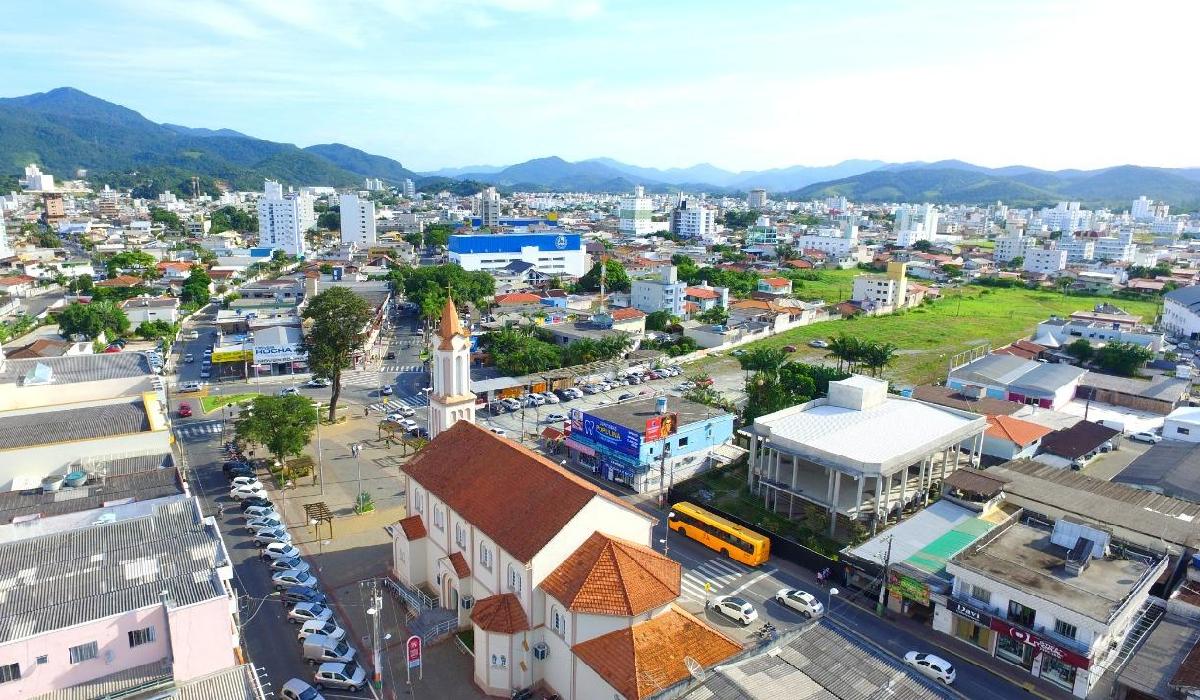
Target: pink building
x=133 y=593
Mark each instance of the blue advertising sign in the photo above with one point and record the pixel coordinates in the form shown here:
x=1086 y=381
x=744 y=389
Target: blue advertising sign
x=611 y=435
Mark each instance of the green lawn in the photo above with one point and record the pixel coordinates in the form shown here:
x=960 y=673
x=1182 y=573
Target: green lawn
x=832 y=286
x=928 y=336
x=212 y=403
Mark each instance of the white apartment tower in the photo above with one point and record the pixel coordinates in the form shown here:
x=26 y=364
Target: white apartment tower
x=36 y=180
x=757 y=199
x=914 y=224
x=635 y=213
x=6 y=250
x=693 y=219
x=489 y=208
x=410 y=189
x=451 y=399
x=358 y=220
x=281 y=221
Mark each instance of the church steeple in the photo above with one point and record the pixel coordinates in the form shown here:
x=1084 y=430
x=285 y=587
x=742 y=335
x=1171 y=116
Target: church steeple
x=451 y=399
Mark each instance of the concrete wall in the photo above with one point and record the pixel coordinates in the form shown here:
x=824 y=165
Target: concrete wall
x=202 y=638
x=20 y=397
x=1172 y=430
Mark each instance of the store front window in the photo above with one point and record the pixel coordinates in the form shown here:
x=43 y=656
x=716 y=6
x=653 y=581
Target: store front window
x=1015 y=652
x=970 y=632
x=1057 y=672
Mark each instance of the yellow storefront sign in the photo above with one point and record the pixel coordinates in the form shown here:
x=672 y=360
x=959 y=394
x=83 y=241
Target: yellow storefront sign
x=220 y=356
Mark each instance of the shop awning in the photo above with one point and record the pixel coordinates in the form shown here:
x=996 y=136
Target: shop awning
x=580 y=448
x=552 y=433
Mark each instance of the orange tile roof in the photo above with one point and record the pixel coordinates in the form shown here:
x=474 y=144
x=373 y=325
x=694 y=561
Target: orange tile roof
x=174 y=265
x=1015 y=430
x=701 y=293
x=459 y=562
x=777 y=281
x=626 y=314
x=502 y=614
x=690 y=307
x=641 y=660
x=608 y=576
x=800 y=264
x=451 y=325
x=517 y=497
x=518 y=298
x=120 y=281
x=413 y=527
x=15 y=280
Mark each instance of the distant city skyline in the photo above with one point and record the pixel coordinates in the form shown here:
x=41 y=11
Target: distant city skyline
x=433 y=84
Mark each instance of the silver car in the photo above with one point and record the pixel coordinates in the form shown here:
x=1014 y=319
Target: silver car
x=329 y=628
x=293 y=577
x=303 y=612
x=348 y=676
x=296 y=689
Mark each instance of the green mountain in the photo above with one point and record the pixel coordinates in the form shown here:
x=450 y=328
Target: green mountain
x=555 y=174
x=65 y=129
x=361 y=162
x=1018 y=186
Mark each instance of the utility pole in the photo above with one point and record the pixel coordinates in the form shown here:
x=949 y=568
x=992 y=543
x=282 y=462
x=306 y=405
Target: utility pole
x=662 y=476
x=887 y=570
x=376 y=612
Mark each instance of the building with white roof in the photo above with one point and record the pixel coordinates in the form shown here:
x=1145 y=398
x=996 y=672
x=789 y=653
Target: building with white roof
x=1182 y=424
x=890 y=449
x=1002 y=376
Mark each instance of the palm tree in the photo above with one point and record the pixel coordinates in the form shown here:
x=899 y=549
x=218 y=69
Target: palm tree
x=879 y=355
x=763 y=360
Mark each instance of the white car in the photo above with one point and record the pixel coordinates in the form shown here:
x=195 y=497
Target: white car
x=240 y=491
x=934 y=667
x=266 y=522
x=736 y=609
x=555 y=418
x=248 y=481
x=293 y=577
x=550 y=397
x=804 y=603
x=329 y=628
x=261 y=512
x=511 y=404
x=400 y=414
x=289 y=391
x=303 y=612
x=296 y=689
x=288 y=563
x=592 y=389
x=189 y=387
x=317 y=383
x=1147 y=437
x=818 y=343
x=537 y=399
x=280 y=550
x=498 y=431
x=408 y=424
x=262 y=538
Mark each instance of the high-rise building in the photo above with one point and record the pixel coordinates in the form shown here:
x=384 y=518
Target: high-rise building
x=1140 y=211
x=664 y=293
x=280 y=219
x=451 y=399
x=108 y=202
x=373 y=184
x=635 y=212
x=36 y=180
x=6 y=250
x=757 y=199
x=488 y=208
x=694 y=219
x=358 y=220
x=55 y=209
x=410 y=189
x=915 y=224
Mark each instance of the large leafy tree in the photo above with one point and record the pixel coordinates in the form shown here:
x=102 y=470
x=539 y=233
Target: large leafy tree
x=339 y=321
x=426 y=287
x=195 y=288
x=1123 y=358
x=90 y=320
x=133 y=262
x=282 y=424
x=615 y=278
x=233 y=219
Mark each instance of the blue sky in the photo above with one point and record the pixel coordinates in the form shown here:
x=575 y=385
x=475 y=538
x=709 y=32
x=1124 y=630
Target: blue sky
x=743 y=85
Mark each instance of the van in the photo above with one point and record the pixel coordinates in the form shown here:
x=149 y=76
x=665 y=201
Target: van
x=192 y=335
x=320 y=649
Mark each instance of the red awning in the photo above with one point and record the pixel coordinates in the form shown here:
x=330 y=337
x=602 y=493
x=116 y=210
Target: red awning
x=580 y=448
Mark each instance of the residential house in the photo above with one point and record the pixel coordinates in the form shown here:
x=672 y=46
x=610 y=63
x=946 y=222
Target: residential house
x=20 y=286
x=774 y=287
x=1012 y=438
x=145 y=308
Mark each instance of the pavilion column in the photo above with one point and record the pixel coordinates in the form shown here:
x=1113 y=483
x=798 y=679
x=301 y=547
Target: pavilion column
x=978 y=461
x=903 y=490
x=829 y=472
x=879 y=497
x=753 y=462
x=833 y=509
x=858 y=496
x=924 y=468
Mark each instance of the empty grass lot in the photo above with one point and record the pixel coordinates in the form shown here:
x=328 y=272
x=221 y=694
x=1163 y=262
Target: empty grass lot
x=966 y=317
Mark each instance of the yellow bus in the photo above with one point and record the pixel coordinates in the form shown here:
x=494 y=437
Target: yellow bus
x=715 y=532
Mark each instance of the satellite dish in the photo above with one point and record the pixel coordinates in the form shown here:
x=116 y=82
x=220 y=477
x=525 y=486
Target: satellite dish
x=694 y=668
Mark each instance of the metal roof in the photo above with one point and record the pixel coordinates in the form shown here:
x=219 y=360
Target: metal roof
x=75 y=576
x=71 y=369
x=88 y=423
x=1171 y=468
x=140 y=484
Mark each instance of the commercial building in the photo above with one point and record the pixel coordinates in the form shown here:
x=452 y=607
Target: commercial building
x=554 y=254
x=557 y=579
x=649 y=443
x=692 y=218
x=1181 y=312
x=840 y=243
x=141 y=309
x=799 y=455
x=664 y=293
x=1182 y=424
x=358 y=220
x=634 y=213
x=1101 y=328
x=757 y=199
x=1004 y=376
x=1044 y=261
x=284 y=219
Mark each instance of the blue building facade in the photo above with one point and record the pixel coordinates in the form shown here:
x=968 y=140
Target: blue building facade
x=556 y=254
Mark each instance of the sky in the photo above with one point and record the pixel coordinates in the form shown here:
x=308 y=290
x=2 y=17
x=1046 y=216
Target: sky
x=662 y=83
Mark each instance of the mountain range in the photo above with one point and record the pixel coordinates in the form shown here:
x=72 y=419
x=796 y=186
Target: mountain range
x=65 y=129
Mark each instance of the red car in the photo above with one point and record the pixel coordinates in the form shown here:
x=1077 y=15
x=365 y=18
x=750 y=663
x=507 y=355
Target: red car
x=185 y=410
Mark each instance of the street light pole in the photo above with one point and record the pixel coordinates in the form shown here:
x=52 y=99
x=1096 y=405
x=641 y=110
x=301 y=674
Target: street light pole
x=667 y=535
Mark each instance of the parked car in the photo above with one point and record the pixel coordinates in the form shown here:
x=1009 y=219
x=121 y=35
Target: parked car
x=293 y=577
x=317 y=383
x=289 y=391
x=624 y=396
x=318 y=649
x=238 y=492
x=498 y=431
x=1147 y=437
x=554 y=418
x=934 y=667
x=265 y=511
x=305 y=612
x=401 y=413
x=818 y=343
x=802 y=602
x=280 y=550
x=189 y=387
x=185 y=410
x=408 y=424
x=349 y=676
x=736 y=609
x=262 y=538
x=329 y=628
x=266 y=522
x=420 y=431
x=390 y=356
x=511 y=403
x=239 y=471
x=296 y=689
x=300 y=594
x=248 y=481
x=288 y=564
x=550 y=397
x=592 y=389
x=256 y=501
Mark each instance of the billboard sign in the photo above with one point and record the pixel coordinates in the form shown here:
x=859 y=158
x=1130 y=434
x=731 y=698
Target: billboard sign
x=611 y=435
x=270 y=354
x=239 y=355
x=413 y=649
x=660 y=427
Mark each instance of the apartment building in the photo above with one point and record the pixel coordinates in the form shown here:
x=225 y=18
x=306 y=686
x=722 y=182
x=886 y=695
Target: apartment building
x=284 y=219
x=1045 y=261
x=662 y=293
x=634 y=213
x=358 y=220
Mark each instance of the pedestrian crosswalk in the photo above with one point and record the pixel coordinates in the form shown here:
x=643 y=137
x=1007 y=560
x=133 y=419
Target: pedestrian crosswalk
x=199 y=429
x=397 y=402
x=362 y=377
x=392 y=367
x=717 y=573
